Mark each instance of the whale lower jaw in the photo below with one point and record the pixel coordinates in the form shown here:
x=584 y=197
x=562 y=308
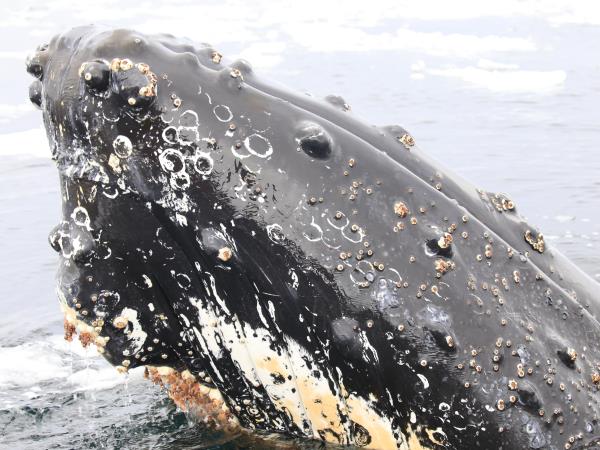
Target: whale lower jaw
x=207 y=405
x=202 y=402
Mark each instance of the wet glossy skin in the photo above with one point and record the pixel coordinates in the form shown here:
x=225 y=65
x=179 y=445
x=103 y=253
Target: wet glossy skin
x=327 y=277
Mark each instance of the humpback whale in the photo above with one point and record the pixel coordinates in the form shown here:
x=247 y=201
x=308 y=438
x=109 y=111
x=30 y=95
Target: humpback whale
x=282 y=266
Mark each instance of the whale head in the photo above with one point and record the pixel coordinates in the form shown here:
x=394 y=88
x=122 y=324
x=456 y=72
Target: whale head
x=325 y=276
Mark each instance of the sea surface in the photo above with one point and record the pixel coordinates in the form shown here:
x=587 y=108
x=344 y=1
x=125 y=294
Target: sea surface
x=505 y=94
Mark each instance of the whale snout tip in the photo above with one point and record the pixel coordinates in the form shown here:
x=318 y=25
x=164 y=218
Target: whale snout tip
x=36 y=61
x=93 y=61
x=35 y=65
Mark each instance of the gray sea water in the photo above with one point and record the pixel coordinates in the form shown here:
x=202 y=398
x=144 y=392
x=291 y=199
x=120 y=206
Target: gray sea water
x=507 y=94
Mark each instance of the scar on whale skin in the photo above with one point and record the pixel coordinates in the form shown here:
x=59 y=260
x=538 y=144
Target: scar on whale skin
x=278 y=265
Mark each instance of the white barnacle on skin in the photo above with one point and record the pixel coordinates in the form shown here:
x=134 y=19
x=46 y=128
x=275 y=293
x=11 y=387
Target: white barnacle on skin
x=407 y=140
x=236 y=73
x=224 y=254
x=81 y=217
x=122 y=146
x=445 y=241
x=120 y=322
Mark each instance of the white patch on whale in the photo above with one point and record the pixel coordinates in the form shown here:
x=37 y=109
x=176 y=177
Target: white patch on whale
x=216 y=295
x=307 y=399
x=424 y=380
x=137 y=336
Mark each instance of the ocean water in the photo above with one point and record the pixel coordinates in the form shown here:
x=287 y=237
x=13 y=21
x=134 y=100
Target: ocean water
x=506 y=94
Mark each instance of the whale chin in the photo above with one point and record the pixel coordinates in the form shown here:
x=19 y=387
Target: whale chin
x=278 y=265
